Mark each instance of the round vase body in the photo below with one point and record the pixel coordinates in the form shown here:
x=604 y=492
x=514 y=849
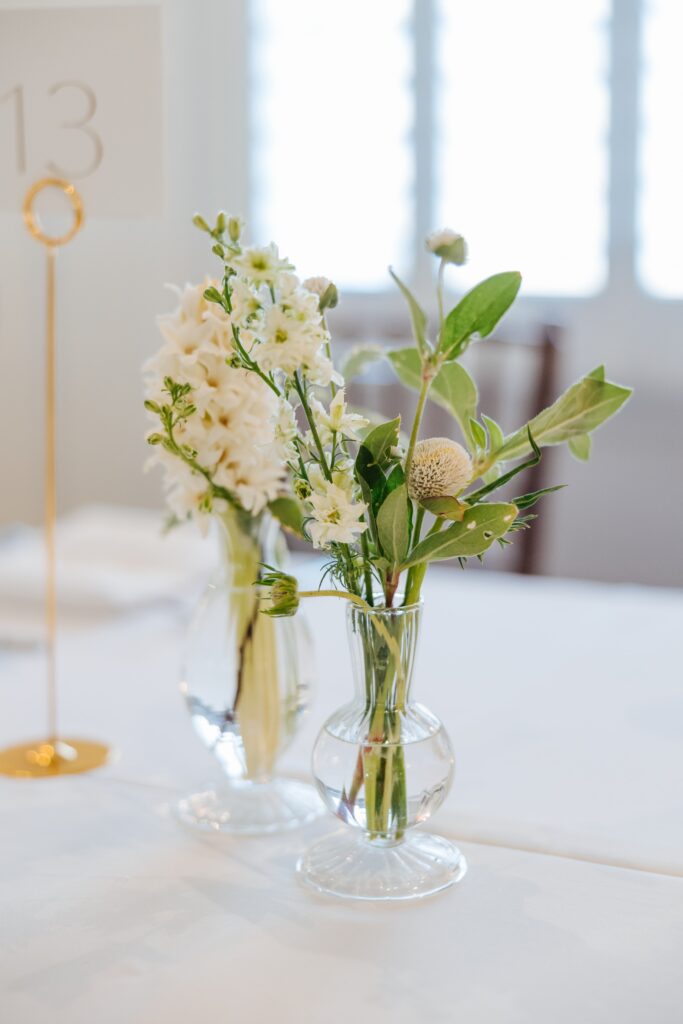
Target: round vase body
x=383 y=764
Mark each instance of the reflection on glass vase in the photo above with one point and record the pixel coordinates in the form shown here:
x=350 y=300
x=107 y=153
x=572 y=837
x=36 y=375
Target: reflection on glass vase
x=246 y=687
x=383 y=764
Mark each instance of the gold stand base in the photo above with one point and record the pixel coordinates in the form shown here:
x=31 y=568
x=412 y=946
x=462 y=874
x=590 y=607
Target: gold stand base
x=47 y=758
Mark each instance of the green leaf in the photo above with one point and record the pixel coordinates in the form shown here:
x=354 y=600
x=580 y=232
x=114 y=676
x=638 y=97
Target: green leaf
x=580 y=447
x=496 y=435
x=480 y=527
x=478 y=433
x=393 y=525
x=503 y=478
x=583 y=407
x=418 y=316
x=360 y=359
x=478 y=312
x=289 y=514
x=525 y=501
x=453 y=388
x=445 y=508
x=382 y=438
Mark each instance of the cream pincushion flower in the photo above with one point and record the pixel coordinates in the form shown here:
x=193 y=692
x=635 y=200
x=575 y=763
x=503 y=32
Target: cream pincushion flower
x=440 y=468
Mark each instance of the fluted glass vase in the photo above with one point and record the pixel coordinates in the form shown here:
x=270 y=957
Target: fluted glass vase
x=383 y=764
x=246 y=686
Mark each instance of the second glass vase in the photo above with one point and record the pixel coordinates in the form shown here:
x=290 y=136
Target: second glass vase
x=383 y=764
x=246 y=687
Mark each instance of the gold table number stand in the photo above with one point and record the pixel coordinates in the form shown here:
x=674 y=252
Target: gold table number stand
x=54 y=755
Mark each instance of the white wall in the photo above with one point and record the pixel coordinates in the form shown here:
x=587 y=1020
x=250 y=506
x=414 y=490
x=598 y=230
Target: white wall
x=618 y=520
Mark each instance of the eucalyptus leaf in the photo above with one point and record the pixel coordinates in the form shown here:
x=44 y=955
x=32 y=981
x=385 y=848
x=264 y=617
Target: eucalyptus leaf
x=393 y=525
x=496 y=435
x=382 y=438
x=445 y=508
x=479 y=528
x=360 y=359
x=289 y=514
x=580 y=447
x=452 y=388
x=478 y=433
x=478 y=312
x=583 y=407
x=503 y=478
x=418 y=317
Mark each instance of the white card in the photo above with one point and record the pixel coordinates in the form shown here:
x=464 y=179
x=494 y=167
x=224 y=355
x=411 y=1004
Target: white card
x=81 y=98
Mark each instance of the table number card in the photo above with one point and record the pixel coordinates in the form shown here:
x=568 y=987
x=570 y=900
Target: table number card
x=81 y=99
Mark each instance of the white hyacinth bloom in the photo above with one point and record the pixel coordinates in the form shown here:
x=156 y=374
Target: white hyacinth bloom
x=232 y=431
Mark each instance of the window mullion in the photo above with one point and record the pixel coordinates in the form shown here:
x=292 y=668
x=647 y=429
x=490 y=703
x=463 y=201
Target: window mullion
x=625 y=62
x=424 y=137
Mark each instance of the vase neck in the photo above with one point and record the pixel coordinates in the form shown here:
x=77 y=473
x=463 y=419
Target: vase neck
x=383 y=647
x=247 y=542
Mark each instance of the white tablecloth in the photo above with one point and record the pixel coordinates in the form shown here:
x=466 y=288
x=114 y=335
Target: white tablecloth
x=565 y=705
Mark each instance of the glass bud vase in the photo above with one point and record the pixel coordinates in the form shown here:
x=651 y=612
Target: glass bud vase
x=246 y=687
x=382 y=764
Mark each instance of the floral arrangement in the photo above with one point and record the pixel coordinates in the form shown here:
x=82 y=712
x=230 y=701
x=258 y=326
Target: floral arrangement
x=251 y=415
x=262 y=349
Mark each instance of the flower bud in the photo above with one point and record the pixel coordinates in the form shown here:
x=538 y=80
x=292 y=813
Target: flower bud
x=440 y=468
x=235 y=228
x=448 y=245
x=283 y=593
x=327 y=293
x=302 y=489
x=200 y=223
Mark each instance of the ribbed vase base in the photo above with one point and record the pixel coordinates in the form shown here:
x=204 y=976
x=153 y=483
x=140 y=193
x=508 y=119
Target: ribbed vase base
x=252 y=808
x=352 y=867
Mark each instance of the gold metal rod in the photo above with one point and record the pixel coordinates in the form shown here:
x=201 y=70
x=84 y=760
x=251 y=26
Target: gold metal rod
x=56 y=755
x=50 y=498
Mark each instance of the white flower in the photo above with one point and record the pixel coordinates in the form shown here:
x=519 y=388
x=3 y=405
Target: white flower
x=262 y=266
x=449 y=245
x=337 y=420
x=232 y=431
x=336 y=516
x=324 y=289
x=285 y=427
x=440 y=468
x=317 y=285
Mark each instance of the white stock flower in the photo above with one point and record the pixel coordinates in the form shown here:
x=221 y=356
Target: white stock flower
x=232 y=431
x=336 y=516
x=286 y=430
x=337 y=420
x=440 y=468
x=262 y=266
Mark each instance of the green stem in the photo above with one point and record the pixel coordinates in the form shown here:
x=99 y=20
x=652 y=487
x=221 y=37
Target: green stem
x=427 y=378
x=367 y=575
x=439 y=298
x=301 y=392
x=417 y=572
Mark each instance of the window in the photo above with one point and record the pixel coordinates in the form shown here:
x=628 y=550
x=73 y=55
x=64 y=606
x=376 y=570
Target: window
x=660 y=209
x=331 y=121
x=547 y=133
x=522 y=138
